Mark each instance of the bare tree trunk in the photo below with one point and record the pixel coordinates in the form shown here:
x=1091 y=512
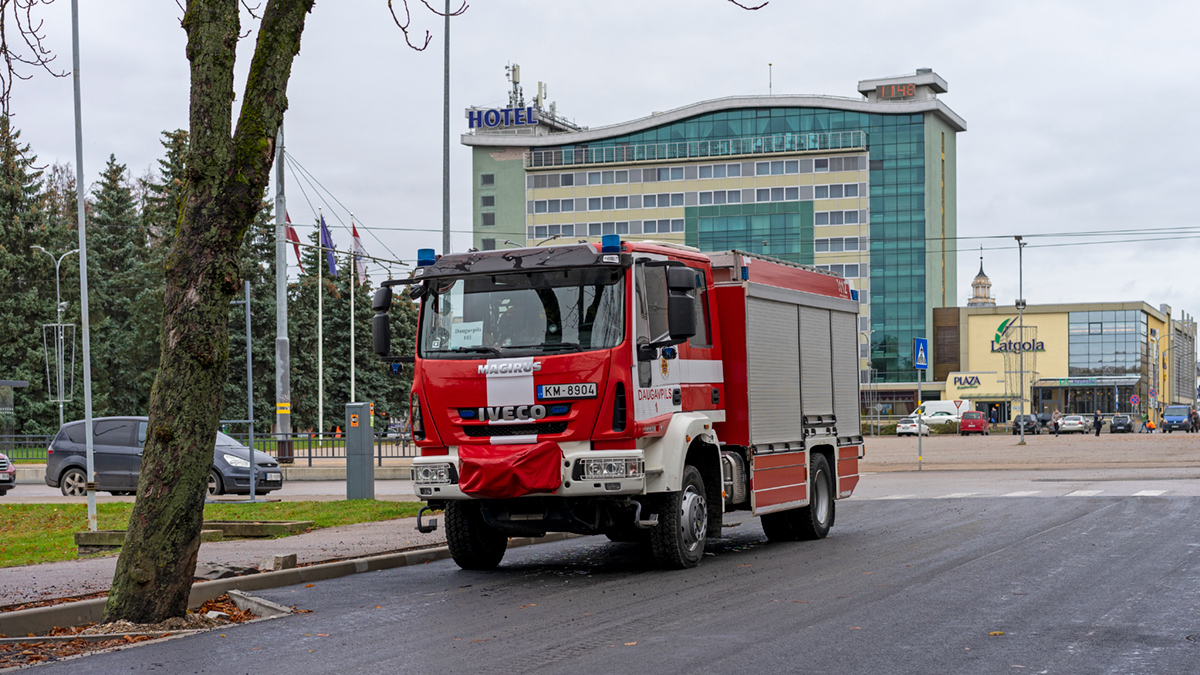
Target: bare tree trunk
x=226 y=176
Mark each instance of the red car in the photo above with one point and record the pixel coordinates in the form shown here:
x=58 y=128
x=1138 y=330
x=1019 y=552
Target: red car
x=973 y=422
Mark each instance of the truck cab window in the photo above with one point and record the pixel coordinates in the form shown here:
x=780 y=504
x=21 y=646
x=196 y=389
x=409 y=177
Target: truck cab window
x=703 y=336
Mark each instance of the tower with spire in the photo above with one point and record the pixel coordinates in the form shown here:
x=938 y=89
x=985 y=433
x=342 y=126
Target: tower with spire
x=981 y=288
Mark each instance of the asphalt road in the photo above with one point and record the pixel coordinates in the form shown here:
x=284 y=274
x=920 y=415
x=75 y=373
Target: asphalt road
x=1075 y=584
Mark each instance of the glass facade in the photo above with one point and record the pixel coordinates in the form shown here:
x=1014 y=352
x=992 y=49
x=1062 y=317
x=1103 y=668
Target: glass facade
x=896 y=144
x=1107 y=343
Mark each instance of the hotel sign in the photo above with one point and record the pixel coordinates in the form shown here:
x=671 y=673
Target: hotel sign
x=501 y=117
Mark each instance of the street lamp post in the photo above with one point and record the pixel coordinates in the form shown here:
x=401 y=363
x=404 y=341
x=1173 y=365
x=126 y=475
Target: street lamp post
x=1021 y=330
x=58 y=329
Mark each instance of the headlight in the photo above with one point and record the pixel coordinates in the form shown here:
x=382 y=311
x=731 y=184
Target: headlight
x=620 y=467
x=431 y=474
x=235 y=461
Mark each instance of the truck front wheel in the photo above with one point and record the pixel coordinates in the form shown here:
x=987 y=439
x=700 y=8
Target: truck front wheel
x=678 y=539
x=474 y=545
x=807 y=522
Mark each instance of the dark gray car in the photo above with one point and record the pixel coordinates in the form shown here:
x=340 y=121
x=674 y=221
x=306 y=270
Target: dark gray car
x=117 y=452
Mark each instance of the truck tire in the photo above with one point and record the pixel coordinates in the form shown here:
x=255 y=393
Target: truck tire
x=807 y=522
x=677 y=542
x=474 y=545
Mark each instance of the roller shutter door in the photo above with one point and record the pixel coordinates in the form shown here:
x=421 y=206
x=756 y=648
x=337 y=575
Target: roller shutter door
x=816 y=369
x=845 y=373
x=772 y=371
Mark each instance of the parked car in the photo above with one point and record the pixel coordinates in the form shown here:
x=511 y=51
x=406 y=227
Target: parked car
x=1030 y=422
x=908 y=427
x=1121 y=423
x=973 y=422
x=1072 y=424
x=8 y=474
x=1046 y=421
x=117 y=444
x=939 y=417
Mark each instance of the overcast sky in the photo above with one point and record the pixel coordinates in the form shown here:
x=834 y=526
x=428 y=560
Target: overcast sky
x=1081 y=115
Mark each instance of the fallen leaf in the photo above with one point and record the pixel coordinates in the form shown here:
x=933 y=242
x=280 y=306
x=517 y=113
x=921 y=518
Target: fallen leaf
x=630 y=644
x=868 y=573
x=855 y=627
x=482 y=640
x=378 y=607
x=309 y=585
x=996 y=632
x=803 y=602
x=745 y=565
x=322 y=634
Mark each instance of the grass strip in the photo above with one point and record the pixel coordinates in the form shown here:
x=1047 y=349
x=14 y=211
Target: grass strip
x=38 y=533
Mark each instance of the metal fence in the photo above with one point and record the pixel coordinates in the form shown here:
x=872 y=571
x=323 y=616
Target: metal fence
x=291 y=449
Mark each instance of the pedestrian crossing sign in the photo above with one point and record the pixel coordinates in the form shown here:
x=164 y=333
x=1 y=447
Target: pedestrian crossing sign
x=921 y=353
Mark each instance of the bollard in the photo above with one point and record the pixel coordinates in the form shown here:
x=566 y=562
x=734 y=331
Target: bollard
x=360 y=451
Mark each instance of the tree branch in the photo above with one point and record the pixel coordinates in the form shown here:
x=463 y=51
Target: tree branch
x=750 y=8
x=33 y=54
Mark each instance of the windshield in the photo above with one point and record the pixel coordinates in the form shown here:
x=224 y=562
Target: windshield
x=1177 y=410
x=503 y=315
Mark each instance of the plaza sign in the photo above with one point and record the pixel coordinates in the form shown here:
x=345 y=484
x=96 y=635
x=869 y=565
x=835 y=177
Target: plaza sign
x=999 y=344
x=966 y=381
x=497 y=117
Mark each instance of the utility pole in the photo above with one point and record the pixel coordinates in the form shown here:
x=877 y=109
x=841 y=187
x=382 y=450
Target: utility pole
x=320 y=334
x=283 y=360
x=58 y=329
x=83 y=279
x=1021 y=329
x=350 y=285
x=445 y=144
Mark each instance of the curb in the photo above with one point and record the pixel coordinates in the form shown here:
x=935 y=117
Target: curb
x=43 y=619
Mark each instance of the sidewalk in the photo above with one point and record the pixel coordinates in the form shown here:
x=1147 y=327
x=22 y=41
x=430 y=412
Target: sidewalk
x=78 y=577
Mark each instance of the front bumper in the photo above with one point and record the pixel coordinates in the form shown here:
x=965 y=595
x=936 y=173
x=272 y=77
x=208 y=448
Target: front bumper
x=571 y=486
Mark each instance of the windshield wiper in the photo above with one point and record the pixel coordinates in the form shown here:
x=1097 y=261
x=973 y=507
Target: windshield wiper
x=465 y=350
x=549 y=346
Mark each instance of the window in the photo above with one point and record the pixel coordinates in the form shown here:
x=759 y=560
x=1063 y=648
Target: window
x=607 y=177
x=706 y=198
x=608 y=203
x=593 y=229
x=593 y=203
x=487 y=179
x=677 y=199
x=791 y=166
x=702 y=338
x=487 y=219
x=850 y=271
x=488 y=244
x=648 y=201
x=649 y=226
x=487 y=200
x=836 y=244
x=851 y=217
x=623 y=227
x=706 y=172
x=553 y=230
x=567 y=180
x=835 y=217
x=821 y=245
x=677 y=173
x=676 y=225
x=623 y=202
x=664 y=173
x=718 y=171
x=851 y=243
x=821 y=165
x=539 y=232
x=622 y=176
x=568 y=230
x=1095 y=328
x=539 y=206
x=664 y=201
x=735 y=170
x=718 y=197
x=777 y=194
x=567 y=205
x=835 y=191
x=733 y=197
x=792 y=194
x=593 y=178
x=762 y=195
x=821 y=218
x=777 y=168
x=821 y=192
x=552 y=206
x=851 y=189
x=608 y=228
x=762 y=169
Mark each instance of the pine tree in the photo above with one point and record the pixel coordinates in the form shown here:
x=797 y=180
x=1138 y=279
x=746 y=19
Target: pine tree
x=258 y=267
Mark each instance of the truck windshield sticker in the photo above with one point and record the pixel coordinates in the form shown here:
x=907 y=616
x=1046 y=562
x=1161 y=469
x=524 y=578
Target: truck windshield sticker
x=466 y=334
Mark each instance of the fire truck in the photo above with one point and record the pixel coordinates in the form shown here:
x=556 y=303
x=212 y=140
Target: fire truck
x=633 y=389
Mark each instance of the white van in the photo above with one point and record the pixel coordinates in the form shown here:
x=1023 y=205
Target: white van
x=935 y=412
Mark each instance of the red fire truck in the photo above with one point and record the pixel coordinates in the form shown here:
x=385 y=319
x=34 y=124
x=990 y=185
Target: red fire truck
x=632 y=389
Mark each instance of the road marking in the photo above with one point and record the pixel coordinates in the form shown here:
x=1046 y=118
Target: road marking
x=1084 y=493
x=898 y=497
x=955 y=495
x=1024 y=493
x=1149 y=493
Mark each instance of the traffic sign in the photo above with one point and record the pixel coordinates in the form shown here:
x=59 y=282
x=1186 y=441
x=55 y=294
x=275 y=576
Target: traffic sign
x=957 y=404
x=921 y=353
x=879 y=407
x=1135 y=399
x=1153 y=393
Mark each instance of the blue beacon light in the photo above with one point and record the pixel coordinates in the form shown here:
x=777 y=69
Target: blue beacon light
x=610 y=243
x=426 y=257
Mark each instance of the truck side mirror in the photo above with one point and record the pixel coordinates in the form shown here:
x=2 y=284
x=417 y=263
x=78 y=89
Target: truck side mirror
x=681 y=305
x=381 y=328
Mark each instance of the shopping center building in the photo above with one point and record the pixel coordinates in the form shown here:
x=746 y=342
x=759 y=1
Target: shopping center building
x=864 y=187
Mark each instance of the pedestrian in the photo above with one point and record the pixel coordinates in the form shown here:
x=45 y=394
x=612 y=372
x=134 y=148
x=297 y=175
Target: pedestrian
x=1097 y=421
x=1145 y=422
x=1056 y=419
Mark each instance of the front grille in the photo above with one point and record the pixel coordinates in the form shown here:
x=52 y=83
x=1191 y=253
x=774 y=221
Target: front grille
x=3 y=464
x=540 y=428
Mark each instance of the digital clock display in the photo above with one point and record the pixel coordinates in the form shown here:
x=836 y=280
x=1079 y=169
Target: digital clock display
x=894 y=91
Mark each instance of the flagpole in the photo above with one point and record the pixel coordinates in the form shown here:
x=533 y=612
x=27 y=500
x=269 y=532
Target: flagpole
x=353 y=276
x=320 y=333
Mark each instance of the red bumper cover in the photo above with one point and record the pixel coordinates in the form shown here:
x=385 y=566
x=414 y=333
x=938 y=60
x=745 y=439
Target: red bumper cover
x=505 y=471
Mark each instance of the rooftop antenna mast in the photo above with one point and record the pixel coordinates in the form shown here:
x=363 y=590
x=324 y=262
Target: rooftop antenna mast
x=770 y=80
x=516 y=97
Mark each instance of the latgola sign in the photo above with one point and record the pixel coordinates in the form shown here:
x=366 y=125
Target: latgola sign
x=999 y=344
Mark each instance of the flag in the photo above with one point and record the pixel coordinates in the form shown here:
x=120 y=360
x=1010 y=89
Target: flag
x=290 y=235
x=358 y=254
x=327 y=243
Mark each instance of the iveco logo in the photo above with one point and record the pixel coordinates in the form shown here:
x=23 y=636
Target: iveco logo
x=509 y=368
x=511 y=412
